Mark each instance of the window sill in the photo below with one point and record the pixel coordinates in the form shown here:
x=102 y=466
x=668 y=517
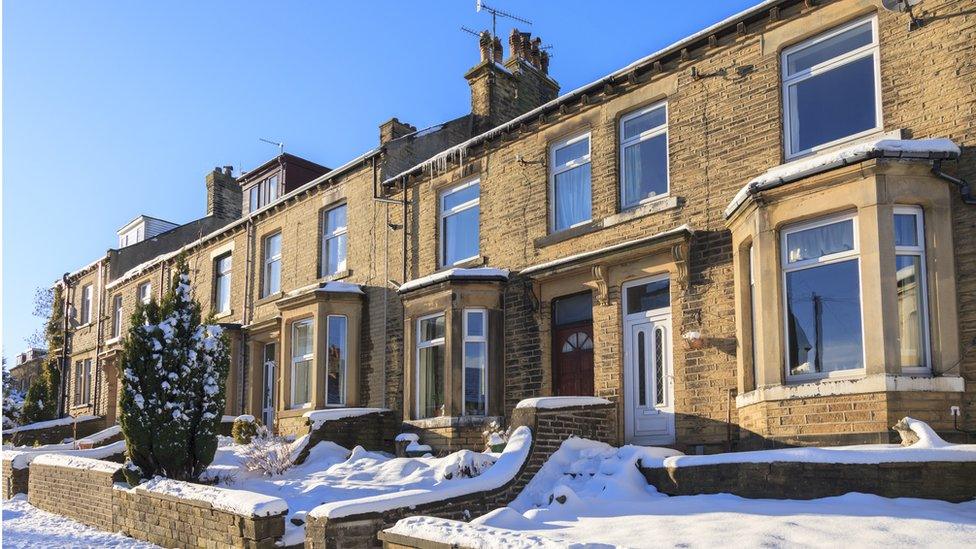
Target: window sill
x=875 y=383
x=113 y=341
x=80 y=406
x=270 y=298
x=346 y=273
x=476 y=261
x=660 y=204
x=88 y=324
x=225 y=314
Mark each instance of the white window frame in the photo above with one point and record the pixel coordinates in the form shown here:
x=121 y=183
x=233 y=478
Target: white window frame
x=268 y=261
x=445 y=214
x=330 y=237
x=918 y=251
x=467 y=338
x=296 y=359
x=86 y=304
x=788 y=81
x=786 y=267
x=653 y=132
x=440 y=341
x=345 y=367
x=116 y=316
x=218 y=276
x=556 y=170
x=144 y=292
x=753 y=314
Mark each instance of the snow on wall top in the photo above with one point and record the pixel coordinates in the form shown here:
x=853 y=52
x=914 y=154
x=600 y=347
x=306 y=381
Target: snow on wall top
x=552 y=403
x=79 y=462
x=21 y=459
x=319 y=417
x=878 y=148
x=463 y=534
x=102 y=435
x=50 y=423
x=341 y=287
x=504 y=470
x=454 y=274
x=238 y=502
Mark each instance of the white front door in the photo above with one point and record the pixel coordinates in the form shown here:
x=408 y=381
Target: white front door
x=648 y=381
x=268 y=396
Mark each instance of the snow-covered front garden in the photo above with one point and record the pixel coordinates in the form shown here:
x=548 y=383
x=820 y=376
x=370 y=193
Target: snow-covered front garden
x=591 y=494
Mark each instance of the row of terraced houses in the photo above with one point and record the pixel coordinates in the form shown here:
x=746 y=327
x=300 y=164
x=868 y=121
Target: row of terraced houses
x=759 y=235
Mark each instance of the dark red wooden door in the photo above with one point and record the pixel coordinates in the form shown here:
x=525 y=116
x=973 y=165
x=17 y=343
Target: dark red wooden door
x=572 y=359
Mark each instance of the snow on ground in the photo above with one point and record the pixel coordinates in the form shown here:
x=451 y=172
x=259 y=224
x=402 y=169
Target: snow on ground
x=27 y=526
x=332 y=473
x=591 y=494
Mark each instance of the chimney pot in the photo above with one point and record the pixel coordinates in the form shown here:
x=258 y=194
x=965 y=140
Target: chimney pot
x=484 y=45
x=497 y=49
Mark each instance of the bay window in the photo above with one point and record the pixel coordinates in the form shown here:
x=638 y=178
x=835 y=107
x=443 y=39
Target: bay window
x=459 y=226
x=831 y=88
x=334 y=240
x=272 y=265
x=263 y=193
x=820 y=262
x=570 y=185
x=430 y=366
x=301 y=363
x=911 y=288
x=475 y=380
x=335 y=384
x=644 y=155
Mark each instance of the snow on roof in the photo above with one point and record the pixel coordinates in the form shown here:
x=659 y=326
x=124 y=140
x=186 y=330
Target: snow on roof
x=50 y=423
x=319 y=417
x=551 y=403
x=77 y=460
x=508 y=465
x=341 y=288
x=923 y=149
x=238 y=502
x=439 y=159
x=593 y=253
x=454 y=274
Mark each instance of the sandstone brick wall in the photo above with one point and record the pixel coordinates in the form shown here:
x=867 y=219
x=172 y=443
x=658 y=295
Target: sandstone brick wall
x=15 y=481
x=373 y=431
x=79 y=494
x=950 y=481
x=549 y=428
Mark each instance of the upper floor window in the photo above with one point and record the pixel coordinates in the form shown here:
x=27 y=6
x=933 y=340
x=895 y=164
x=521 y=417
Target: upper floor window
x=117 y=316
x=430 y=366
x=911 y=286
x=831 y=87
x=263 y=193
x=272 y=265
x=222 y=271
x=334 y=240
x=644 y=155
x=335 y=360
x=570 y=182
x=460 y=233
x=823 y=297
x=145 y=292
x=475 y=362
x=86 y=304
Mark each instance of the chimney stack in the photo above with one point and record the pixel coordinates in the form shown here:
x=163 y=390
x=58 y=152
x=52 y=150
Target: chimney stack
x=224 y=195
x=392 y=129
x=501 y=92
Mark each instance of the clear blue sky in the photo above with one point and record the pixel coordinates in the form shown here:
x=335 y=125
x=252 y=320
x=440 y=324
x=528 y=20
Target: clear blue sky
x=115 y=108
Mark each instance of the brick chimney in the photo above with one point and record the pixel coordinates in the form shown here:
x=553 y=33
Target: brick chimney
x=392 y=129
x=224 y=195
x=501 y=92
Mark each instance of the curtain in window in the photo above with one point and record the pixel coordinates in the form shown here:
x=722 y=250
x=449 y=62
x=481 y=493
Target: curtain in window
x=573 y=197
x=820 y=241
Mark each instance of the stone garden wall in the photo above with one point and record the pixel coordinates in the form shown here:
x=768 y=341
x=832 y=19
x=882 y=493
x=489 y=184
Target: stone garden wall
x=372 y=428
x=549 y=428
x=26 y=436
x=950 y=481
x=14 y=480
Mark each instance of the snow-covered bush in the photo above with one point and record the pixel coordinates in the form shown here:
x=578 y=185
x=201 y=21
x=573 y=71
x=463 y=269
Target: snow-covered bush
x=245 y=428
x=495 y=437
x=173 y=373
x=464 y=464
x=13 y=402
x=268 y=455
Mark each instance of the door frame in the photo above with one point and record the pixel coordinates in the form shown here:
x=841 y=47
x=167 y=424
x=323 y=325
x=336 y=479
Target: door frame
x=264 y=384
x=654 y=316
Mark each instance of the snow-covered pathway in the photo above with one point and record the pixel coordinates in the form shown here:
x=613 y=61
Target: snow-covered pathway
x=27 y=526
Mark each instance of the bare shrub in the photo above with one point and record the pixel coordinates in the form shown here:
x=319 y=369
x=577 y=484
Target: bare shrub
x=268 y=455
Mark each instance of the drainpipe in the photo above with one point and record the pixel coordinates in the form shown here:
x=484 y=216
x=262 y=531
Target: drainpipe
x=65 y=301
x=248 y=313
x=99 y=327
x=965 y=190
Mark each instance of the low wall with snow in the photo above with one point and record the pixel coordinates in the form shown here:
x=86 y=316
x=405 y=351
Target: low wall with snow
x=16 y=462
x=371 y=428
x=54 y=431
x=356 y=523
x=165 y=512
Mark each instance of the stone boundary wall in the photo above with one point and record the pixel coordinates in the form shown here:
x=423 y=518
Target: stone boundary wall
x=949 y=481
x=373 y=431
x=550 y=427
x=14 y=480
x=100 y=498
x=54 y=435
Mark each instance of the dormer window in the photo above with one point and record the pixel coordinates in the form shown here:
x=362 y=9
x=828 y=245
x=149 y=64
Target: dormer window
x=263 y=193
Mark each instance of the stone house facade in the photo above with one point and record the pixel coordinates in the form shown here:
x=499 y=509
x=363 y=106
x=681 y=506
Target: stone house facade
x=26 y=368
x=706 y=237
